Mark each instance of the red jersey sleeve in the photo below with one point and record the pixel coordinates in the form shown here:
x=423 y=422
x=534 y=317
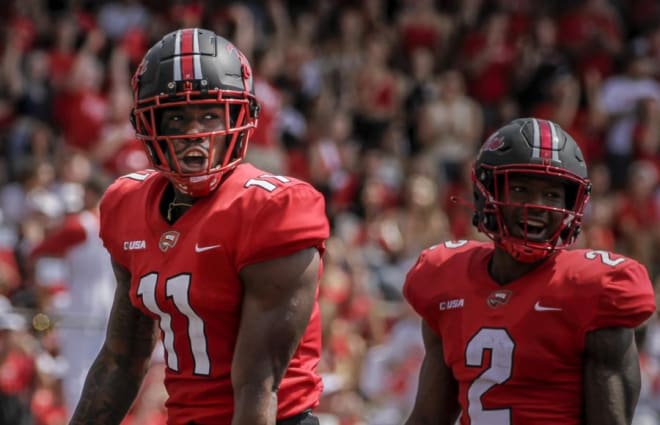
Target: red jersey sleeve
x=626 y=298
x=422 y=287
x=287 y=222
x=112 y=202
x=415 y=277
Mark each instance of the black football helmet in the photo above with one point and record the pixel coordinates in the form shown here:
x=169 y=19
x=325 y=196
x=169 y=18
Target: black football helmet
x=538 y=148
x=194 y=66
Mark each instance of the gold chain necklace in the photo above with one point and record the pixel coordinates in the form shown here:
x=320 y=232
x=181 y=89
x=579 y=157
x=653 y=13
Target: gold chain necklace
x=174 y=204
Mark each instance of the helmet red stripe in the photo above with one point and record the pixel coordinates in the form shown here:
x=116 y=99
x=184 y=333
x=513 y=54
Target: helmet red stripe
x=546 y=139
x=187 y=51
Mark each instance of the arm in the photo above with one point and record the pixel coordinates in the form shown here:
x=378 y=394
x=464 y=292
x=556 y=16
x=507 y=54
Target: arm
x=61 y=240
x=437 y=394
x=278 y=300
x=115 y=376
x=611 y=376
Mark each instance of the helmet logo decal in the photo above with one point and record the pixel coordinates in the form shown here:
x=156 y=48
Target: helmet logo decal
x=168 y=240
x=231 y=48
x=187 y=59
x=141 y=69
x=493 y=143
x=246 y=71
x=498 y=298
x=546 y=141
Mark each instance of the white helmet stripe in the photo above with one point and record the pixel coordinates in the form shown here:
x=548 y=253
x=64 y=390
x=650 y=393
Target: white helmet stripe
x=177 y=56
x=197 y=58
x=536 y=140
x=555 y=141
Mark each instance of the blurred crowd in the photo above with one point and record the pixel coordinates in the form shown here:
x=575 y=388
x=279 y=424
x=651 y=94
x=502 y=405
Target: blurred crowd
x=380 y=104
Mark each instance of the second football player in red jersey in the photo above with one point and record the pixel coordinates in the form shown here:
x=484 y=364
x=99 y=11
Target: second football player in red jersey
x=221 y=257
x=522 y=331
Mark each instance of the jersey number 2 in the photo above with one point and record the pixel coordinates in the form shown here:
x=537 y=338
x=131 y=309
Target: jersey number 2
x=176 y=288
x=265 y=184
x=501 y=346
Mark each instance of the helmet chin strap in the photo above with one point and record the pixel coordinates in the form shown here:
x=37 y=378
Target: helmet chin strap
x=197 y=186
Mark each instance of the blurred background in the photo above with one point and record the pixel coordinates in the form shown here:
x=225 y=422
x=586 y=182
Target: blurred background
x=380 y=104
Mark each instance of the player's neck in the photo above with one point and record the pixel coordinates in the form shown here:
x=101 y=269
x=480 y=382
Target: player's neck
x=504 y=269
x=174 y=204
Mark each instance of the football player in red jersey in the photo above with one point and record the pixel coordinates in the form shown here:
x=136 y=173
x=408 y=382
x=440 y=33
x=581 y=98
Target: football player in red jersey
x=520 y=330
x=222 y=259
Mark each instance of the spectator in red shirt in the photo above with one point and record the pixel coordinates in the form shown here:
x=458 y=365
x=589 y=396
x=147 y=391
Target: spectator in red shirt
x=81 y=109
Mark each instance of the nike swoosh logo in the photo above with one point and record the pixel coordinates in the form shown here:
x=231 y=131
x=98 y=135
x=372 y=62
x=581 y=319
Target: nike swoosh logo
x=205 y=248
x=539 y=307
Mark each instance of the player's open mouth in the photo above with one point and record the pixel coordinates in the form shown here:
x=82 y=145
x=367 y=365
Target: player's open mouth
x=533 y=229
x=194 y=159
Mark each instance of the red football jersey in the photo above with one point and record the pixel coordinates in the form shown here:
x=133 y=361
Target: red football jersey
x=185 y=275
x=516 y=350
